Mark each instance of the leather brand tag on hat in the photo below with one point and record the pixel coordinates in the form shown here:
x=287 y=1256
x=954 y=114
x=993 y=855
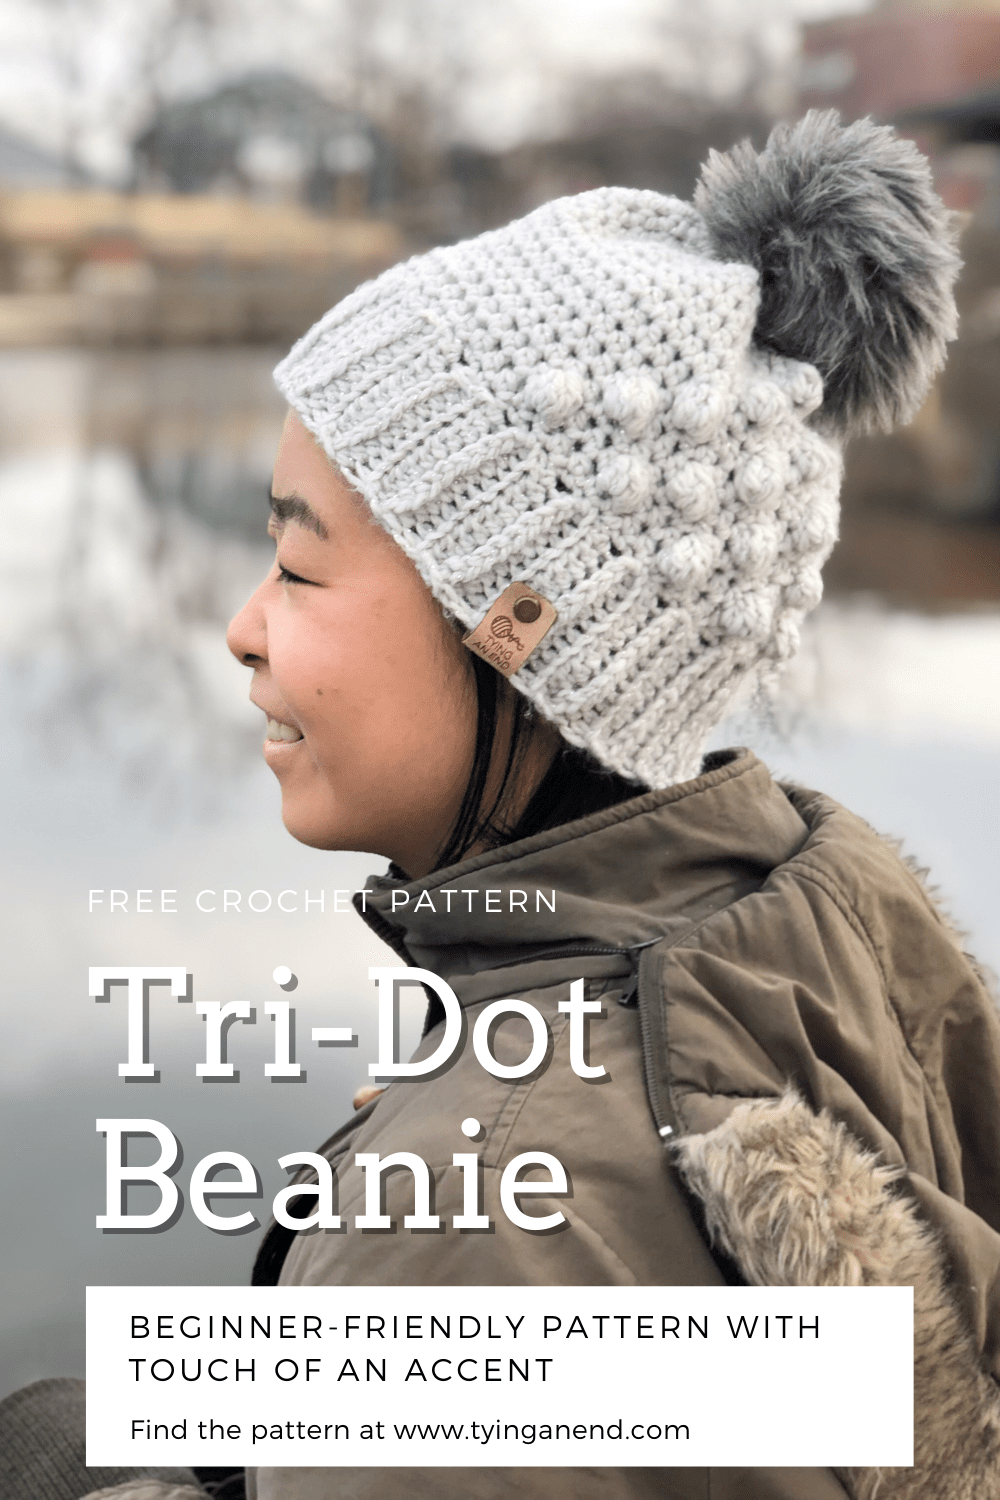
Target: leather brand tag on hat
x=511 y=628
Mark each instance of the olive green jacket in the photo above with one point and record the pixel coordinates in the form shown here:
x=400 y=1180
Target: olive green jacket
x=801 y=1058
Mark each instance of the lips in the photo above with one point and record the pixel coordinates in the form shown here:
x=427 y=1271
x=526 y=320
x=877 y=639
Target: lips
x=277 y=730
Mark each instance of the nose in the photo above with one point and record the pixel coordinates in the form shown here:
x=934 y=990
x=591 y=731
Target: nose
x=247 y=633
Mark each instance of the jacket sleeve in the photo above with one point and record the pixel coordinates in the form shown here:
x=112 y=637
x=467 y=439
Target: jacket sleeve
x=844 y=1222
x=877 y=1168
x=894 y=1035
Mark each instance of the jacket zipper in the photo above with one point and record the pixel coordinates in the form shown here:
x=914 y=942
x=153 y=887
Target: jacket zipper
x=654 y=1053
x=664 y=1128
x=631 y=999
x=576 y=950
x=585 y=950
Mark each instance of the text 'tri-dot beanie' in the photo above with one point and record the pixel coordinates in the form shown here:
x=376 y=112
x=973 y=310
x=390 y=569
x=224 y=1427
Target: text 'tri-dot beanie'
x=636 y=406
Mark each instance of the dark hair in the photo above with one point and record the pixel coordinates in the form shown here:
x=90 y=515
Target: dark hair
x=574 y=785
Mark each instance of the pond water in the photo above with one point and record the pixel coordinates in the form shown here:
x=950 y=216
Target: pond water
x=134 y=488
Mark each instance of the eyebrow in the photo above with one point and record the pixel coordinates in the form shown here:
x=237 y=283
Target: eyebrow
x=294 y=508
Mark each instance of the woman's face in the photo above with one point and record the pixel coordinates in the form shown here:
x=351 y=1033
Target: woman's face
x=369 y=696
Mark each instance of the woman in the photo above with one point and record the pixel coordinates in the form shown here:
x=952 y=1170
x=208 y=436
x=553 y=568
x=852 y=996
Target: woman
x=545 y=501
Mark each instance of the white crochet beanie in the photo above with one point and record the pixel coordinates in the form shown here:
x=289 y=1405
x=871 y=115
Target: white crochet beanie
x=635 y=406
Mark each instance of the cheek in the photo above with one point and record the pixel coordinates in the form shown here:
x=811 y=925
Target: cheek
x=303 y=660
x=387 y=698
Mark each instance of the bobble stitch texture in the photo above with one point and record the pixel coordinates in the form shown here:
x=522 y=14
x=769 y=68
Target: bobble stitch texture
x=627 y=481
x=760 y=480
x=700 y=409
x=764 y=403
x=691 y=491
x=554 y=394
x=632 y=401
x=688 y=562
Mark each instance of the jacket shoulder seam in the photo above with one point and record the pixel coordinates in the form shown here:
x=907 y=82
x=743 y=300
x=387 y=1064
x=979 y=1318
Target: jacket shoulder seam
x=839 y=897
x=837 y=894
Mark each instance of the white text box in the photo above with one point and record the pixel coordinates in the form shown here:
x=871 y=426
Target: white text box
x=440 y=1376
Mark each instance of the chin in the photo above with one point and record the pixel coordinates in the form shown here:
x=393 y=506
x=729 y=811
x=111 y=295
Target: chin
x=309 y=826
x=307 y=832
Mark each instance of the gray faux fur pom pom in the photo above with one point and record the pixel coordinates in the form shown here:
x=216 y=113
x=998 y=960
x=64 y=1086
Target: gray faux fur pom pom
x=856 y=254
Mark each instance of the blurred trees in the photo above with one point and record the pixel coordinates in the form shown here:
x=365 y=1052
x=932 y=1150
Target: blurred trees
x=102 y=66
x=433 y=74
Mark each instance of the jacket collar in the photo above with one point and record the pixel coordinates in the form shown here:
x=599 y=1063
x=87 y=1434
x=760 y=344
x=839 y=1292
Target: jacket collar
x=618 y=880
